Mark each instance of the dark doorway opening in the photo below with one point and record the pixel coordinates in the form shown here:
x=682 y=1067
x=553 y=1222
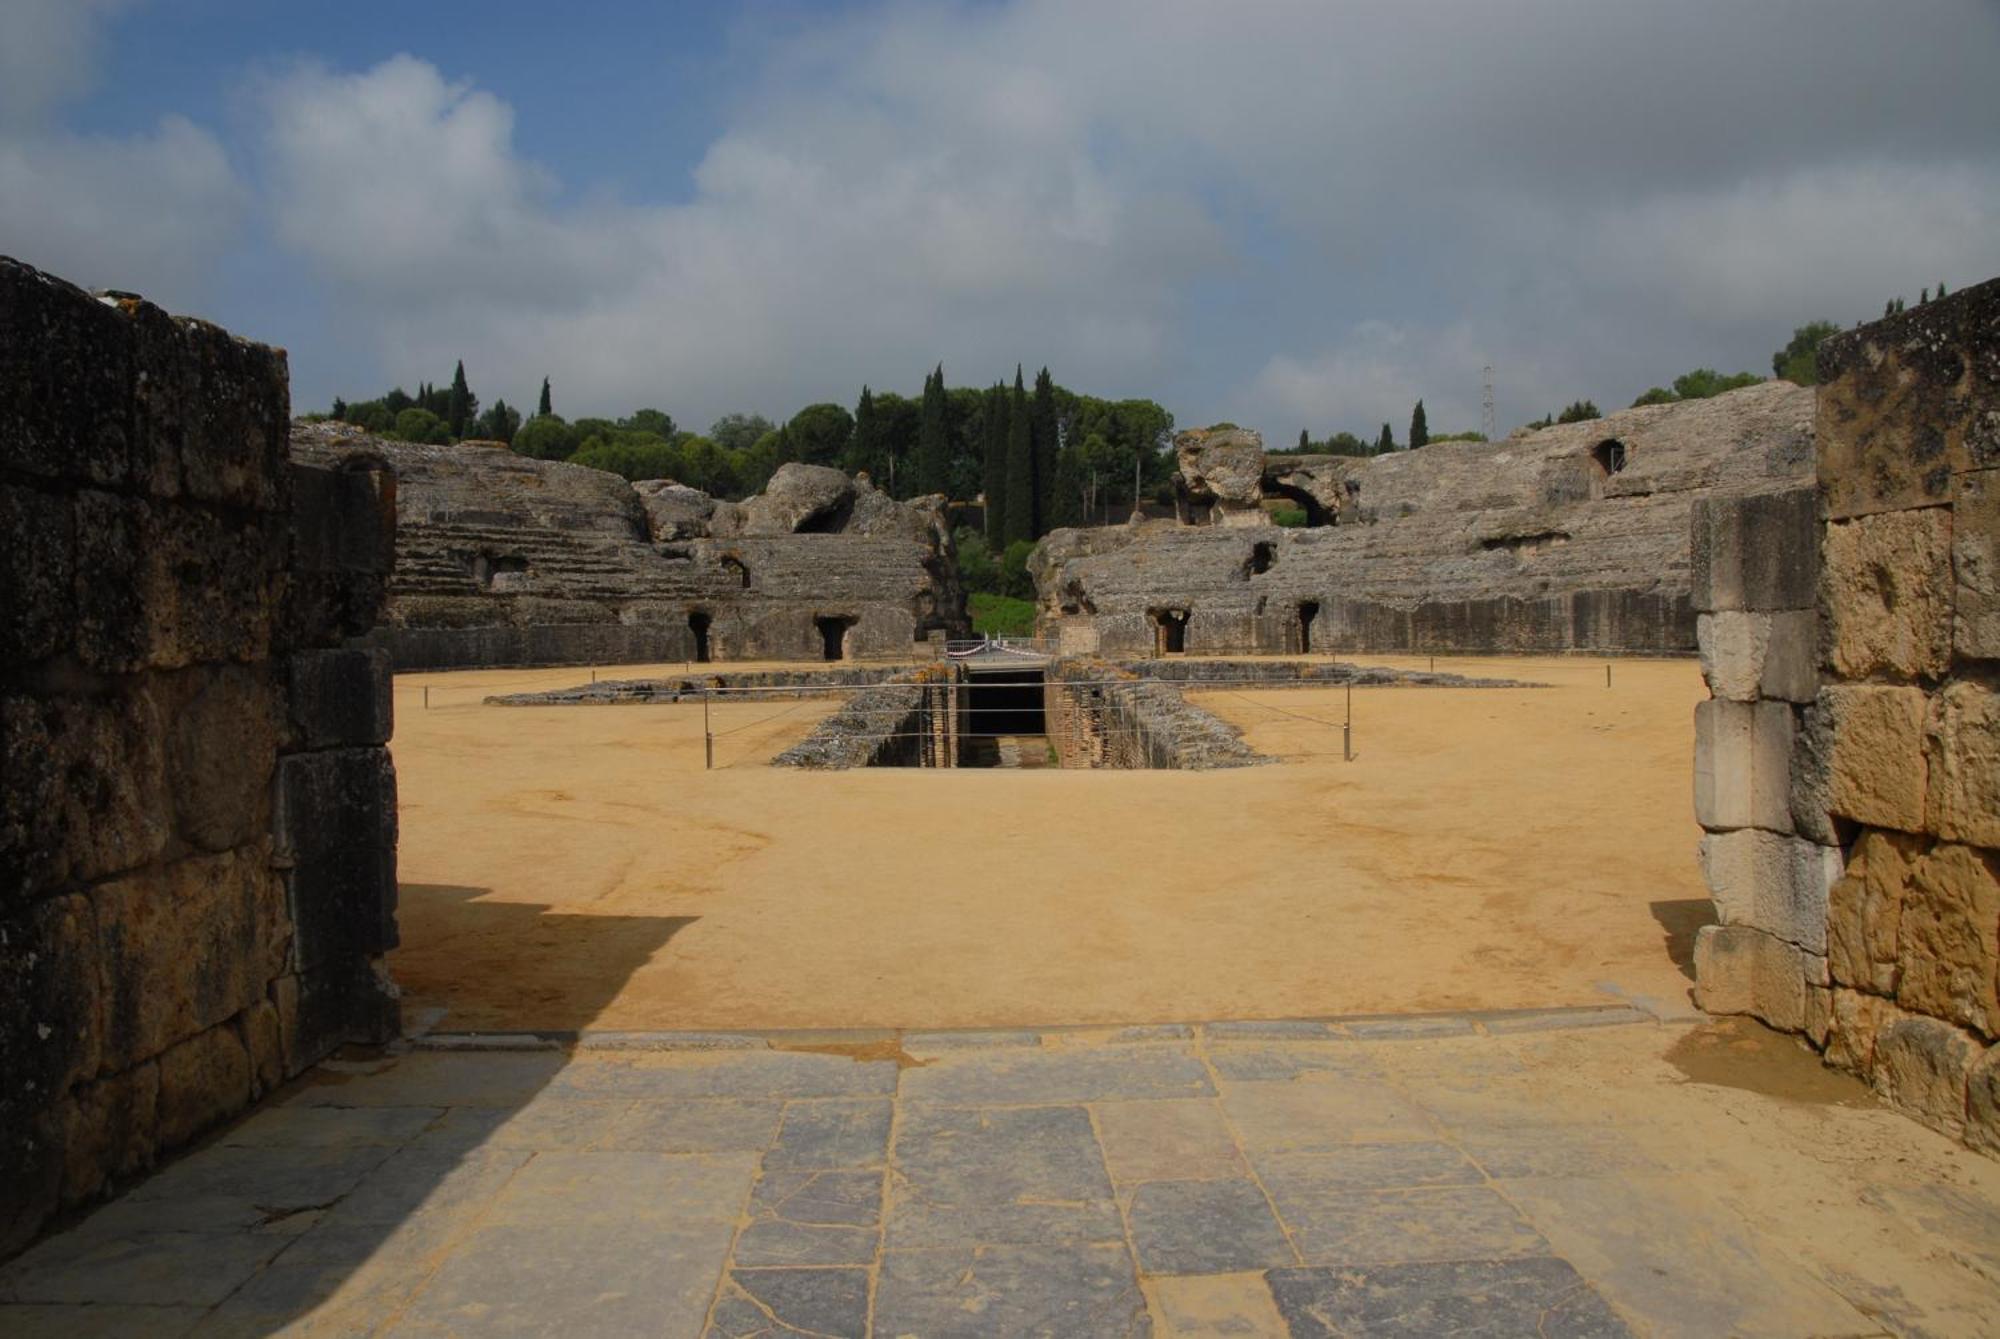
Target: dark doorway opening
x=1609 y=455
x=732 y=563
x=1308 y=611
x=1317 y=512
x=1170 y=631
x=698 y=622
x=833 y=636
x=1263 y=554
x=1005 y=702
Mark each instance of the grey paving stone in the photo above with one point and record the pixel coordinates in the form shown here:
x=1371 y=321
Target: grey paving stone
x=1083 y=1074
x=1175 y=1139
x=426 y=1181
x=1539 y=1296
x=831 y=1133
x=812 y=1218
x=171 y=1269
x=1151 y=1032
x=1264 y=1063
x=544 y=1123
x=1367 y=1167
x=702 y=1125
x=1205 y=1227
x=98 y=1322
x=332 y=1127
x=1316 y=1115
x=969 y=1040
x=1681 y=1264
x=1018 y=1175
x=977 y=1292
x=1512 y=1152
x=1554 y=1020
x=574 y=1279
x=636 y=1189
x=224 y=1187
x=1402 y=1226
x=826 y=1303
x=1416 y=1027
x=432 y=1079
x=725 y=1074
x=348 y=1279
x=1268 y=1029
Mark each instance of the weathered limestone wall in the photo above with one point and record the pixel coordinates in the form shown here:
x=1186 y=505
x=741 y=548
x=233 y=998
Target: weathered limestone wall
x=197 y=810
x=912 y=721
x=507 y=560
x=1103 y=715
x=1574 y=538
x=1848 y=766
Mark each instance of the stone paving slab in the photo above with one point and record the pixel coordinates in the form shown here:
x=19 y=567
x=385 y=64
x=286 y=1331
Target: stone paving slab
x=1209 y=1181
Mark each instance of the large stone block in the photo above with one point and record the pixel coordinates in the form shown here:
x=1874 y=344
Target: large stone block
x=84 y=790
x=1963 y=749
x=341 y=698
x=333 y=801
x=1886 y=594
x=1811 y=785
x=1771 y=883
x=51 y=1032
x=1949 y=941
x=1759 y=552
x=202 y=1080
x=1742 y=765
x=1975 y=565
x=37 y=574
x=1865 y=910
x=1876 y=772
x=110 y=1130
x=1732 y=646
x=319 y=1011
x=1791 y=657
x=343 y=905
x=227 y=407
x=225 y=746
x=1858 y=1018
x=1922 y=1066
x=65 y=378
x=343 y=544
x=1982 y=1103
x=1739 y=970
x=186 y=947
x=1905 y=403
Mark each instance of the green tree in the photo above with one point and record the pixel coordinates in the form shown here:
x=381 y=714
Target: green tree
x=864 y=449
x=739 y=432
x=546 y=437
x=498 y=424
x=976 y=568
x=1420 y=432
x=933 y=438
x=656 y=422
x=1021 y=507
x=462 y=406
x=650 y=459
x=1386 y=442
x=819 y=434
x=1578 y=411
x=1655 y=395
x=994 y=477
x=1305 y=443
x=1014 y=578
x=542 y=409
x=1066 y=505
x=1347 y=444
x=1047 y=443
x=1797 y=361
x=421 y=425
x=1705 y=382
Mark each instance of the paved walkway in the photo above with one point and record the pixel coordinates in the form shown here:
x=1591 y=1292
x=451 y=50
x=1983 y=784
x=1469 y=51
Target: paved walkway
x=1533 y=1174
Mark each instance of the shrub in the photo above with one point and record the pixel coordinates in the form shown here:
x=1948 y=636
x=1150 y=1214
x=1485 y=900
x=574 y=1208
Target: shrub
x=1289 y=517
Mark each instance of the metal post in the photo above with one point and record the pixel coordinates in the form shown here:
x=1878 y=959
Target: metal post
x=427 y=697
x=707 y=735
x=593 y=676
x=1607 y=674
x=1347 y=728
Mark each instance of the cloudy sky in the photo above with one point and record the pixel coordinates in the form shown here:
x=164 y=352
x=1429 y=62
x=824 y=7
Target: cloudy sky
x=1285 y=214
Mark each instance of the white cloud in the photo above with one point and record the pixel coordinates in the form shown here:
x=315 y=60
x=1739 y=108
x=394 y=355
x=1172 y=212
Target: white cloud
x=151 y=213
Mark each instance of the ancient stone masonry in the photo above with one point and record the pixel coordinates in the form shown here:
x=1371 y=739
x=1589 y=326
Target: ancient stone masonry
x=1104 y=715
x=1847 y=767
x=507 y=560
x=197 y=810
x=1571 y=538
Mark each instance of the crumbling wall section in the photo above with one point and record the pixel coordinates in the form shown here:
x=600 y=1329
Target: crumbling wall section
x=1102 y=715
x=1848 y=765
x=197 y=810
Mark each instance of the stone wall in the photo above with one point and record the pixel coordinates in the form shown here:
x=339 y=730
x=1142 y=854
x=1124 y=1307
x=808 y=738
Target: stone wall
x=1847 y=767
x=1574 y=538
x=1101 y=715
x=507 y=560
x=197 y=810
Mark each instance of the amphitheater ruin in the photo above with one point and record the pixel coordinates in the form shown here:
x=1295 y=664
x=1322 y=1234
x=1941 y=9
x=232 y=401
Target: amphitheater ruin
x=428 y=874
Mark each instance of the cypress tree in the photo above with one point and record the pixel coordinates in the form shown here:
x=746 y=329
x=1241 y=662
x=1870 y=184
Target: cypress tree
x=1305 y=442
x=1941 y=292
x=933 y=438
x=1386 y=442
x=996 y=464
x=1046 y=445
x=543 y=410
x=1066 y=504
x=1020 y=465
x=1420 y=433
x=865 y=451
x=459 y=407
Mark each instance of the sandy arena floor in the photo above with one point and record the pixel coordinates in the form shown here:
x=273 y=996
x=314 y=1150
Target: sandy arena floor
x=576 y=867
